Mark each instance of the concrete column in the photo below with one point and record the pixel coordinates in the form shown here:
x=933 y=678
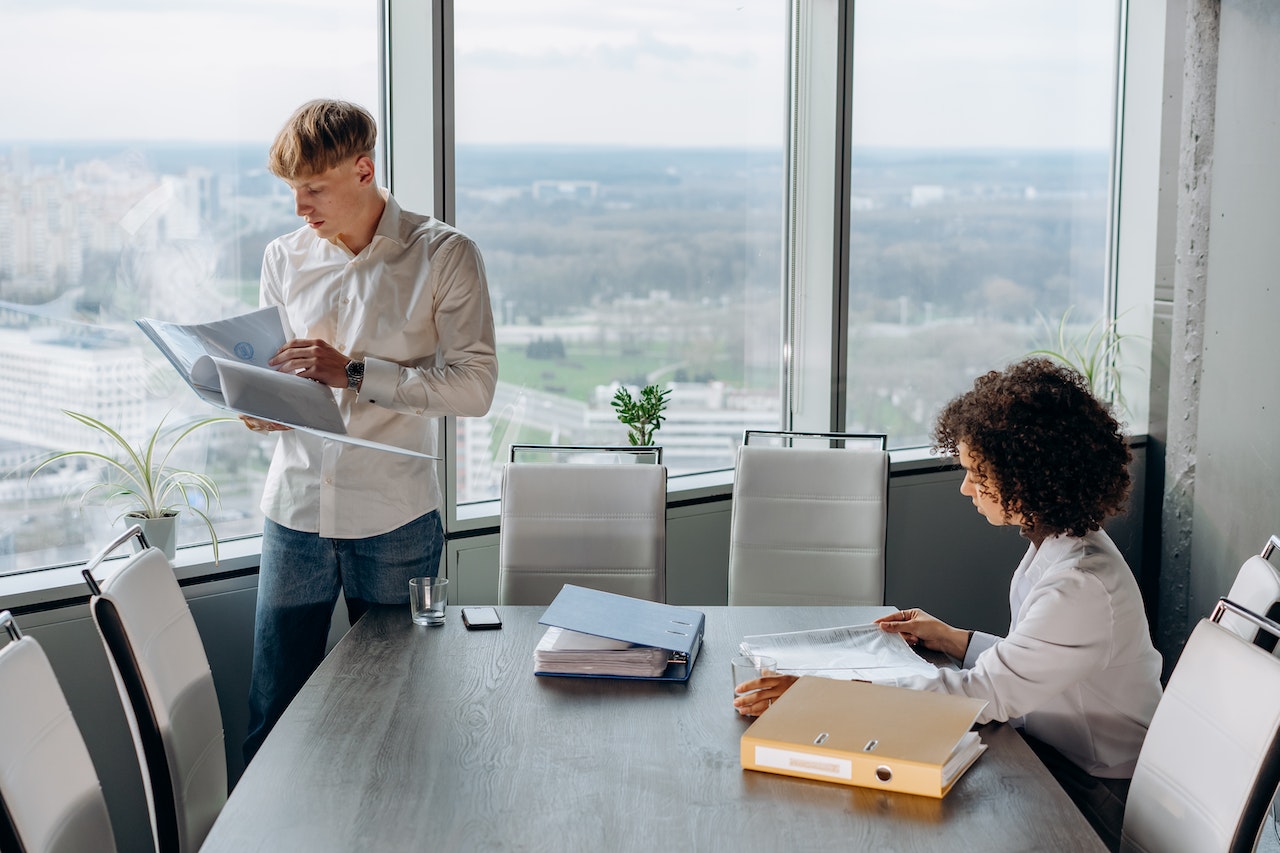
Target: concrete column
x=1195 y=171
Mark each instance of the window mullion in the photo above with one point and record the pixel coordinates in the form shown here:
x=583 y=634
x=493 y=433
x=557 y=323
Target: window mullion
x=818 y=177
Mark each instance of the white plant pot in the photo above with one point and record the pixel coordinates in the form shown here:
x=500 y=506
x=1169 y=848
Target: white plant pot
x=161 y=533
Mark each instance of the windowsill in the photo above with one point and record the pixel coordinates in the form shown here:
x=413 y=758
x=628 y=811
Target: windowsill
x=47 y=588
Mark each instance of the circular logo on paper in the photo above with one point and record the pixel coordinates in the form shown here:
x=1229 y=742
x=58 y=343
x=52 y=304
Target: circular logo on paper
x=244 y=350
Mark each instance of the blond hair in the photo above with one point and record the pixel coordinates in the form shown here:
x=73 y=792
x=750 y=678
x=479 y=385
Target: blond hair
x=320 y=135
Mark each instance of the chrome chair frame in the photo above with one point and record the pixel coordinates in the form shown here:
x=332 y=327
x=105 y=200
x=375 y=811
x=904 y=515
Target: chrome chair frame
x=622 y=450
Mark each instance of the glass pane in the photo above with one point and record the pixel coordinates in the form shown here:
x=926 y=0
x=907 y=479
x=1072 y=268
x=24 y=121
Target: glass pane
x=621 y=168
x=133 y=183
x=982 y=138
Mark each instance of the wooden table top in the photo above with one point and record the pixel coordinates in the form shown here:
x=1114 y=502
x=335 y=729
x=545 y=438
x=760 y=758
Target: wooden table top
x=409 y=737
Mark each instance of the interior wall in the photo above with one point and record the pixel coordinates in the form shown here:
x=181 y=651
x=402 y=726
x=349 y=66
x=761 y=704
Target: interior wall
x=1237 y=502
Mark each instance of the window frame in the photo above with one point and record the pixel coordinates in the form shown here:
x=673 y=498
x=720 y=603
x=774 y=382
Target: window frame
x=416 y=112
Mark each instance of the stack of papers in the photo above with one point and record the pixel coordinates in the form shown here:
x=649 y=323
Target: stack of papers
x=862 y=652
x=567 y=652
x=606 y=635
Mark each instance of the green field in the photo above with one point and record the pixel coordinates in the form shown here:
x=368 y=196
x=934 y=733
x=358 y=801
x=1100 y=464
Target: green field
x=584 y=367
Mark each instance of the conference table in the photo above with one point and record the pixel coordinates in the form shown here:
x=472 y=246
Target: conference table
x=411 y=737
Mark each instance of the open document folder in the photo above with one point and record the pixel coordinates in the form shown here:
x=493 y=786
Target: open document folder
x=225 y=363
x=870 y=735
x=602 y=634
x=864 y=652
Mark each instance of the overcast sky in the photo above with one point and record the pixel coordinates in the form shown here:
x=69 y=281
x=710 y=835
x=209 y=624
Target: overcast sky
x=1016 y=73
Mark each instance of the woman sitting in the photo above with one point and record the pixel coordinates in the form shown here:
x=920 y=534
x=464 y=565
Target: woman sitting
x=1077 y=672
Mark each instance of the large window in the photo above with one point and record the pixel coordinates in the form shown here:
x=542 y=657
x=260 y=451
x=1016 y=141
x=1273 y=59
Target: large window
x=980 y=196
x=132 y=183
x=621 y=167
x=703 y=196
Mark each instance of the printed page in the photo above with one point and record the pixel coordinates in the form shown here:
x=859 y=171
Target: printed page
x=570 y=652
x=251 y=338
x=862 y=652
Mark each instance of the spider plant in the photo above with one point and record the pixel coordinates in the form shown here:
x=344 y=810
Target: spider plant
x=139 y=479
x=1095 y=354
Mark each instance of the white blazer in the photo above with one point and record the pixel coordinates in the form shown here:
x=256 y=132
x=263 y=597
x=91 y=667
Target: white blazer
x=1077 y=670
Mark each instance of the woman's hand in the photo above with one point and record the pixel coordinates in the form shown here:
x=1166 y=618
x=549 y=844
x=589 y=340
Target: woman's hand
x=916 y=626
x=767 y=688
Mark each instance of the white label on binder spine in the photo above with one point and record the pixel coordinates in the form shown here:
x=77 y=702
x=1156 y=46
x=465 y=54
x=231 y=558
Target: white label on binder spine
x=803 y=762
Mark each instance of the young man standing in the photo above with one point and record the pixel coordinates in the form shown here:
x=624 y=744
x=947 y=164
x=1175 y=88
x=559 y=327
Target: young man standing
x=391 y=309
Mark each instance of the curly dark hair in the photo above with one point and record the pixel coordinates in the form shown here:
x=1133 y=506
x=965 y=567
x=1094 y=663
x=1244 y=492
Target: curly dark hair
x=1044 y=443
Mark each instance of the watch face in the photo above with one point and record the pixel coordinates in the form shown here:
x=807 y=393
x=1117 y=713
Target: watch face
x=355 y=373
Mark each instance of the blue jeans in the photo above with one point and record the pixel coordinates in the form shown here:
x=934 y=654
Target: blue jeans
x=298 y=584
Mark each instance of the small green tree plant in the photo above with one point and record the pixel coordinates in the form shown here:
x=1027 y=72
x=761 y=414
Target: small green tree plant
x=642 y=416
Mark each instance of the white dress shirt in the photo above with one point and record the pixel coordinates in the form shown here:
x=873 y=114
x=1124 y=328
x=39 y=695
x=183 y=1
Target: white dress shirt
x=414 y=305
x=1077 y=666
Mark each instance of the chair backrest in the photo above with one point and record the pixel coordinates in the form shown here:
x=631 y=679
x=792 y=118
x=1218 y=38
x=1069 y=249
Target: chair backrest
x=163 y=678
x=1210 y=763
x=808 y=524
x=1257 y=588
x=50 y=797
x=598 y=526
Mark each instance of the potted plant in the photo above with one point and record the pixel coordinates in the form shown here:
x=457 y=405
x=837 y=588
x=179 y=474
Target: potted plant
x=1095 y=355
x=642 y=416
x=143 y=484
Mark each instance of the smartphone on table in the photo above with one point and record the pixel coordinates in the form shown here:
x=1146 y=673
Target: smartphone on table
x=481 y=618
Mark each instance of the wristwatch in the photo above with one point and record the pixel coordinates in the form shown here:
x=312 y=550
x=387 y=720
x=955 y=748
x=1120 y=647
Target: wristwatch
x=355 y=374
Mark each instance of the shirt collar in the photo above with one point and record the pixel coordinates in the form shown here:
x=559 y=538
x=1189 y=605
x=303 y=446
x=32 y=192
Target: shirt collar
x=389 y=224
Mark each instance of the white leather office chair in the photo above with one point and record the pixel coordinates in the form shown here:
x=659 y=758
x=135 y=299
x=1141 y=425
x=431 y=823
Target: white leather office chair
x=602 y=526
x=50 y=797
x=1210 y=764
x=808 y=523
x=1257 y=588
x=163 y=678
